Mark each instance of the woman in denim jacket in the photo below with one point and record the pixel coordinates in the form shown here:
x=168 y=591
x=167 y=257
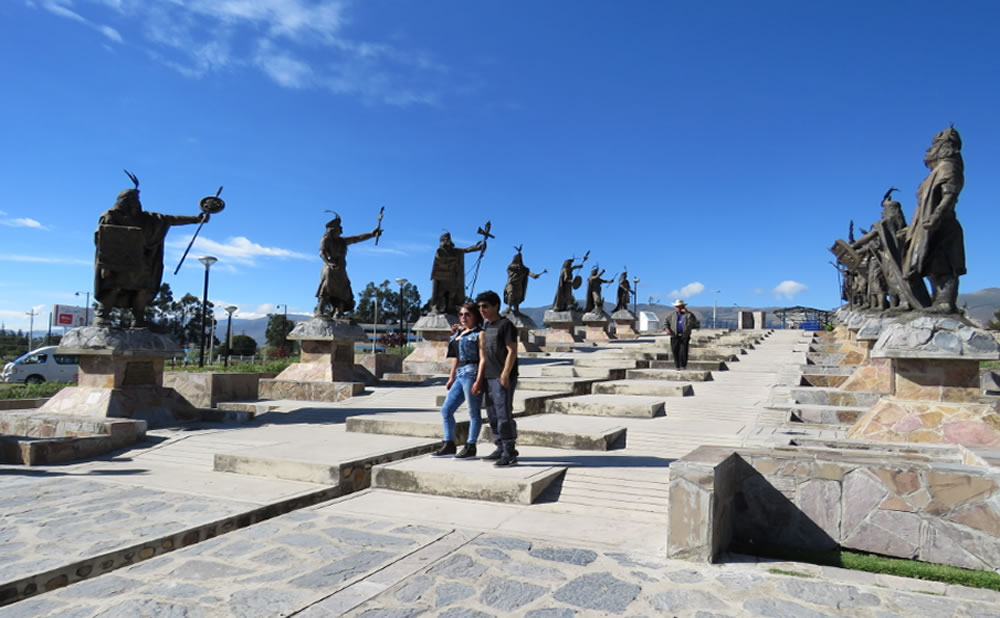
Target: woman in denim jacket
x=463 y=349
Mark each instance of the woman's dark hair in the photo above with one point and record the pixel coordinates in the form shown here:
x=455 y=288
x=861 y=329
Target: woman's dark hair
x=474 y=310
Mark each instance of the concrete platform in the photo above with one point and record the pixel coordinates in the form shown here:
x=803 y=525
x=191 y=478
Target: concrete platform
x=608 y=405
x=569 y=371
x=827 y=415
x=663 y=388
x=575 y=386
x=606 y=362
x=682 y=375
x=565 y=432
x=472 y=479
x=525 y=401
x=329 y=458
x=697 y=365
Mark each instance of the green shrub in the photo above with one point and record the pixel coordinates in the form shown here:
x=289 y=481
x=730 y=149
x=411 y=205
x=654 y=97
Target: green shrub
x=33 y=391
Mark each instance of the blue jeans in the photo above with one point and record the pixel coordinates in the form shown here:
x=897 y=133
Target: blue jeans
x=461 y=390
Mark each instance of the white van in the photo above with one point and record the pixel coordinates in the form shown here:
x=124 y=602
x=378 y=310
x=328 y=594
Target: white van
x=42 y=365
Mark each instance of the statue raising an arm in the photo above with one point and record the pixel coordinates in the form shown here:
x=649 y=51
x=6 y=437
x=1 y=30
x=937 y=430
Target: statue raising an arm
x=567 y=283
x=624 y=293
x=129 y=263
x=448 y=275
x=595 y=291
x=517 y=282
x=334 y=295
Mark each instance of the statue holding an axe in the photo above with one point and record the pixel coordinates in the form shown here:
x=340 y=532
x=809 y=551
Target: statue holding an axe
x=129 y=264
x=334 y=295
x=448 y=274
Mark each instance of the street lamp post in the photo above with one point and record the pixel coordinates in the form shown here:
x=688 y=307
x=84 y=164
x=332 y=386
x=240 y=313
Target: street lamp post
x=715 y=303
x=402 y=311
x=375 y=323
x=635 y=296
x=229 y=332
x=284 y=323
x=207 y=260
x=86 y=308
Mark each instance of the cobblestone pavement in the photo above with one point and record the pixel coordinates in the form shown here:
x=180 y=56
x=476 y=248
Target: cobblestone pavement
x=317 y=565
x=50 y=522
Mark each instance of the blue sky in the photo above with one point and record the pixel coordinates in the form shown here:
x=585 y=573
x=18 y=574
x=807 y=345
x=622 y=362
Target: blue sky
x=707 y=145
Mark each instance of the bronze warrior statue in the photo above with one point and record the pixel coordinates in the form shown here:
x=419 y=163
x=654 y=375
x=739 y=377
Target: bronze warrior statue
x=595 y=291
x=334 y=294
x=567 y=283
x=517 y=281
x=448 y=275
x=129 y=264
x=624 y=293
x=936 y=247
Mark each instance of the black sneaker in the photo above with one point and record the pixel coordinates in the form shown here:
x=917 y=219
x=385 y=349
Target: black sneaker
x=506 y=460
x=468 y=452
x=446 y=450
x=495 y=455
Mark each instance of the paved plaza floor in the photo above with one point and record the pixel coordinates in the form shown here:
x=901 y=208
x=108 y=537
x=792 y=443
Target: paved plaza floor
x=591 y=545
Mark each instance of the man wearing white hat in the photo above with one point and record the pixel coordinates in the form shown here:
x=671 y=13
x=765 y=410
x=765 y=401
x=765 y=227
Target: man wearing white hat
x=680 y=324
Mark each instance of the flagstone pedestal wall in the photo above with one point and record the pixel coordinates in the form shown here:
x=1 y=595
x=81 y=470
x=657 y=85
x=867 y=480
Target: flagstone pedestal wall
x=904 y=502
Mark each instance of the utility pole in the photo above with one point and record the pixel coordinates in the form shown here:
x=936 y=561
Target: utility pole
x=31 y=325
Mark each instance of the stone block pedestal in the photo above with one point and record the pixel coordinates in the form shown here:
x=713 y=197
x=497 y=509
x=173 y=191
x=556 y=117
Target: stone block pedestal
x=524 y=325
x=596 y=323
x=121 y=376
x=430 y=356
x=625 y=325
x=326 y=371
x=559 y=328
x=934 y=388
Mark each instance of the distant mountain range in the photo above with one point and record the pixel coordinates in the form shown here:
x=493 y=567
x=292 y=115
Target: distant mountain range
x=980 y=307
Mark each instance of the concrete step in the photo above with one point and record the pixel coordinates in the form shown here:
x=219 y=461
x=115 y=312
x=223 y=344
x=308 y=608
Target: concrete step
x=326 y=457
x=607 y=362
x=526 y=401
x=565 y=432
x=814 y=395
x=608 y=405
x=698 y=365
x=598 y=373
x=686 y=375
x=404 y=378
x=662 y=388
x=473 y=479
x=309 y=391
x=822 y=379
x=575 y=386
x=826 y=415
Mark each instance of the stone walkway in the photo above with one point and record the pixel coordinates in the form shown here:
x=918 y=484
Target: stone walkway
x=312 y=563
x=593 y=545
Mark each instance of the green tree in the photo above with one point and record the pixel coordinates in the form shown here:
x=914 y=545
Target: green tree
x=244 y=345
x=388 y=303
x=278 y=327
x=995 y=322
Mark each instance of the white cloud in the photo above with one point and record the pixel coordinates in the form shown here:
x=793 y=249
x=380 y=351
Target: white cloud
x=295 y=43
x=61 y=9
x=7 y=257
x=238 y=249
x=789 y=289
x=691 y=289
x=22 y=222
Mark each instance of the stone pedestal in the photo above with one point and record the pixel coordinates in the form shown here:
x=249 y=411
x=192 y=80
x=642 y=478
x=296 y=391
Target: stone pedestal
x=121 y=376
x=744 y=320
x=934 y=390
x=524 y=325
x=327 y=358
x=597 y=326
x=625 y=326
x=759 y=319
x=430 y=356
x=560 y=328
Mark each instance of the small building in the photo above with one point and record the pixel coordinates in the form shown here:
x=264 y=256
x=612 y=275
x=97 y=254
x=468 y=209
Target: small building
x=648 y=322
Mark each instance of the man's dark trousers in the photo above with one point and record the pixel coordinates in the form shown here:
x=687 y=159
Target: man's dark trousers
x=500 y=414
x=679 y=350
